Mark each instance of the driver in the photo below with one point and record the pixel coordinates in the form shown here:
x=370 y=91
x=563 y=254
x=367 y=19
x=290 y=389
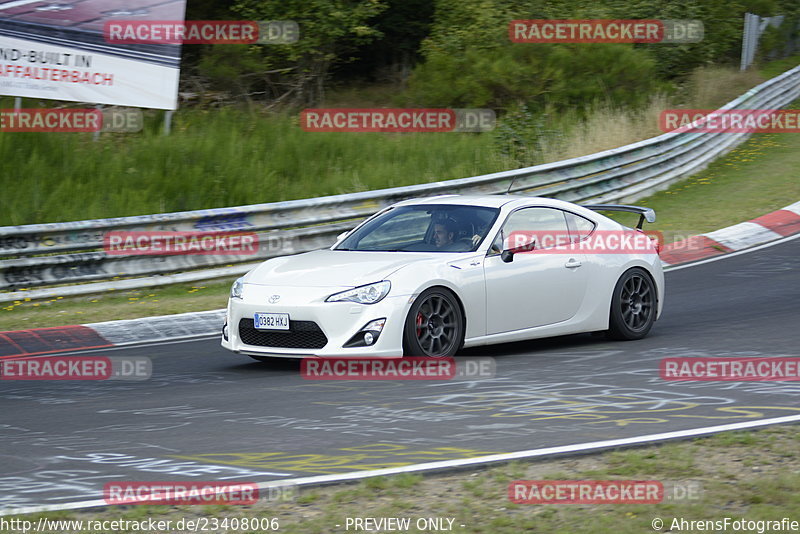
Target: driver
x=443 y=233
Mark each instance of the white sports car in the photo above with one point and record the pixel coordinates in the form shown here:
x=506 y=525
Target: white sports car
x=429 y=276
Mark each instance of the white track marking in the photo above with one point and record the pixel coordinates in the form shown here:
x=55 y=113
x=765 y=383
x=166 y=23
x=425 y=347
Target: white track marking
x=465 y=462
x=731 y=254
x=18 y=3
x=794 y=208
x=743 y=235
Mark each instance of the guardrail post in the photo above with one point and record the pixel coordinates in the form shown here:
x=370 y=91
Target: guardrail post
x=754 y=26
x=96 y=134
x=168 y=121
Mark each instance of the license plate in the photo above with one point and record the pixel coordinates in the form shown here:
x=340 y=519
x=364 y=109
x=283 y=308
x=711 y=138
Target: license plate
x=271 y=321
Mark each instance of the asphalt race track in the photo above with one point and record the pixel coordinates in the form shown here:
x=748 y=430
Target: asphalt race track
x=207 y=414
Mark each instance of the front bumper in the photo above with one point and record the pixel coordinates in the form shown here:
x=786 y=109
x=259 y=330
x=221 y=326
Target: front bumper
x=313 y=322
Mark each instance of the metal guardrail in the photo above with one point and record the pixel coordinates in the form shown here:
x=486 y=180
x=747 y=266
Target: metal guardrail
x=54 y=257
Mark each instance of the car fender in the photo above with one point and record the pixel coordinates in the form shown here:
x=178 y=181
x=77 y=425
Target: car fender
x=464 y=278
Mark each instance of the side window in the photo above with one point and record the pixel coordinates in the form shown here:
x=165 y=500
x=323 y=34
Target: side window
x=533 y=228
x=579 y=227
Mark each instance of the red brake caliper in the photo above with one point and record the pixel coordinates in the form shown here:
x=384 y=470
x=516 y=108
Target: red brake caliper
x=420 y=321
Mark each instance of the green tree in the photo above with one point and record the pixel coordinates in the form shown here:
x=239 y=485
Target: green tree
x=470 y=62
x=329 y=32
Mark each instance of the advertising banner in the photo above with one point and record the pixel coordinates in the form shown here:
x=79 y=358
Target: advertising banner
x=59 y=51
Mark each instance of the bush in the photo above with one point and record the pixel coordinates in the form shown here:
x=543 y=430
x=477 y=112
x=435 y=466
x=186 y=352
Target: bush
x=559 y=76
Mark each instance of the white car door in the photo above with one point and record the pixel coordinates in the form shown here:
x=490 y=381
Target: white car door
x=543 y=286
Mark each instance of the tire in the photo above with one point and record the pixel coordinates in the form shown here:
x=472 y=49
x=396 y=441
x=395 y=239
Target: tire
x=633 y=306
x=434 y=325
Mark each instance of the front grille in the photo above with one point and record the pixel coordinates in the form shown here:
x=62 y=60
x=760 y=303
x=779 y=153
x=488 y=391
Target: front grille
x=301 y=335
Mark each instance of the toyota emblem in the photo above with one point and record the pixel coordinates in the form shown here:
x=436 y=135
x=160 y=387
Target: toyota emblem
x=274 y=298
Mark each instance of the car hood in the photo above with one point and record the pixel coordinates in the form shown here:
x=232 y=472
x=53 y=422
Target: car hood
x=335 y=268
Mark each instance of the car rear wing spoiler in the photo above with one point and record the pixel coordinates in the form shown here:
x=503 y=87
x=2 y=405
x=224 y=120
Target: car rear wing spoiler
x=645 y=214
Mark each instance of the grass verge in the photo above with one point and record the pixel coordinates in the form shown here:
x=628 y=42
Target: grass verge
x=759 y=176
x=752 y=475
x=113 y=305
x=230 y=157
x=223 y=158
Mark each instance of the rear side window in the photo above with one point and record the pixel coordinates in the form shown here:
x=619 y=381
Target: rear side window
x=579 y=227
x=532 y=228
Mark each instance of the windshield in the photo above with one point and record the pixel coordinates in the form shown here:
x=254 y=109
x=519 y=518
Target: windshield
x=424 y=228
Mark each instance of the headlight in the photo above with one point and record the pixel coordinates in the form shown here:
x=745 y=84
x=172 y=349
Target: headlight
x=237 y=288
x=368 y=294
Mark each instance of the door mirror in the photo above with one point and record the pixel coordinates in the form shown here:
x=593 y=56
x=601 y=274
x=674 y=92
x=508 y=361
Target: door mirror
x=342 y=235
x=508 y=254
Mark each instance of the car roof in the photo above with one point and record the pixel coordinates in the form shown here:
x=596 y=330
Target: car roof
x=489 y=201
